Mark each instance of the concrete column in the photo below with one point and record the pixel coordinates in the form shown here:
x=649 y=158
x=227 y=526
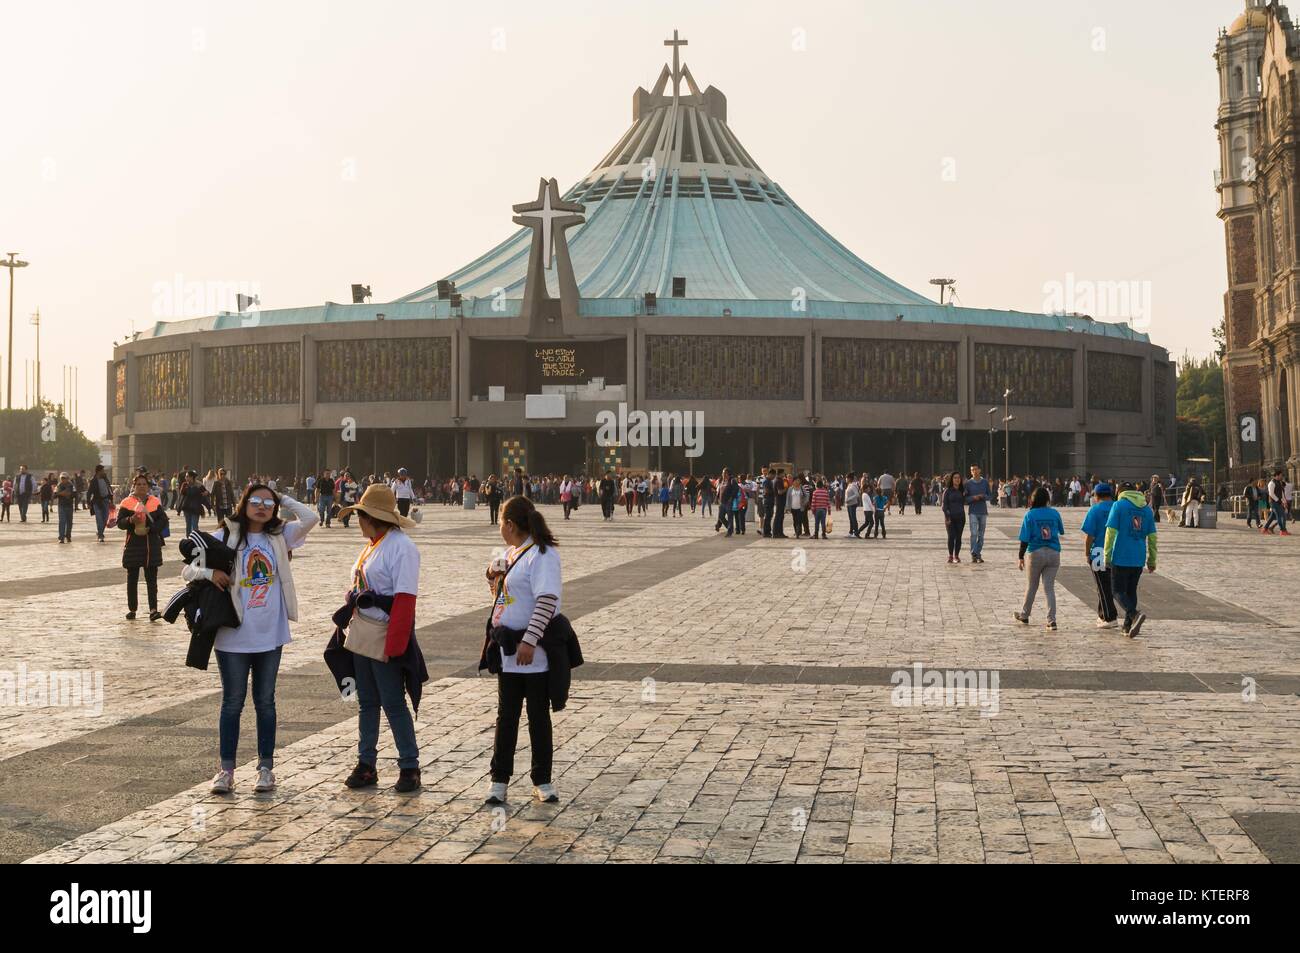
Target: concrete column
x=633 y=369
x=638 y=458
x=1081 y=385
x=132 y=388
x=477 y=453
x=965 y=377
x=229 y=454
x=196 y=381
x=803 y=449
x=335 y=455
x=307 y=378
x=808 y=348
x=1148 y=392
x=636 y=393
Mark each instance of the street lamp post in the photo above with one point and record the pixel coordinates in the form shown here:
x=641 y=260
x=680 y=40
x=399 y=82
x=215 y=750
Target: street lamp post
x=36 y=320
x=11 y=264
x=992 y=430
x=1006 y=435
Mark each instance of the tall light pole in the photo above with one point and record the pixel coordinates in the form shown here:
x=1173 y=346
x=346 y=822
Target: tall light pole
x=36 y=320
x=1006 y=435
x=11 y=264
x=992 y=431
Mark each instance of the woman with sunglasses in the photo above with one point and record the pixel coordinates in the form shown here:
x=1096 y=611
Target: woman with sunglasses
x=265 y=602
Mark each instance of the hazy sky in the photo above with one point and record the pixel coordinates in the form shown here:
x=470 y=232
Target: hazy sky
x=297 y=147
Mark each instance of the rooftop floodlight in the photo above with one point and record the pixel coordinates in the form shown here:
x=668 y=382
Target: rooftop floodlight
x=679 y=286
x=243 y=302
x=360 y=293
x=944 y=284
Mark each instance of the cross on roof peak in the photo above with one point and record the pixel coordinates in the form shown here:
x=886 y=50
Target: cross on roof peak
x=675 y=43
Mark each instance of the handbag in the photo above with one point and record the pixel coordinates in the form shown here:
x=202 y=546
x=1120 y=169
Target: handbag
x=365 y=636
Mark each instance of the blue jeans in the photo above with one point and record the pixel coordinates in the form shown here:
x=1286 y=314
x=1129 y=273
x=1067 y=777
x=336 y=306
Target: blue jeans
x=235 y=668
x=65 y=520
x=853 y=519
x=380 y=683
x=819 y=522
x=323 y=505
x=100 y=509
x=191 y=522
x=1279 y=514
x=977 y=523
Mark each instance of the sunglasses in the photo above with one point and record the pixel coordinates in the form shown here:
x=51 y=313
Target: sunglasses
x=266 y=501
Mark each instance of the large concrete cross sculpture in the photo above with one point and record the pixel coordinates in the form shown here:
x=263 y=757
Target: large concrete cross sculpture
x=548 y=217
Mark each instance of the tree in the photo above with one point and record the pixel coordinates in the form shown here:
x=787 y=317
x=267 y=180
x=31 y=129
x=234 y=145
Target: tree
x=45 y=440
x=1221 y=338
x=1201 y=409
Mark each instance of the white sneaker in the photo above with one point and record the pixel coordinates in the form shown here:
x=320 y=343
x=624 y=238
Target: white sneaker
x=497 y=793
x=1107 y=625
x=546 y=793
x=223 y=781
x=265 y=780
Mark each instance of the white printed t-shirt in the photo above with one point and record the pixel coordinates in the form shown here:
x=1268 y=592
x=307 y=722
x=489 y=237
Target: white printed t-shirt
x=256 y=583
x=535 y=574
x=390 y=567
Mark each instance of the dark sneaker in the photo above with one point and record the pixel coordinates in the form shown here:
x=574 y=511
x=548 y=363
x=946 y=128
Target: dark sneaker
x=362 y=776
x=408 y=781
x=1051 y=627
x=130 y=615
x=1136 y=626
x=154 y=615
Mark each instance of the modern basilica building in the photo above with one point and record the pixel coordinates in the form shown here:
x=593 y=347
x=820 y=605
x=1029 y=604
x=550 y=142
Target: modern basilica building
x=679 y=277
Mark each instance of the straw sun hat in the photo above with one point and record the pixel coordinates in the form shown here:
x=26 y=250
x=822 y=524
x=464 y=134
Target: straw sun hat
x=378 y=501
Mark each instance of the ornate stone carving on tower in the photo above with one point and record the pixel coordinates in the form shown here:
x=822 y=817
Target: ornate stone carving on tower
x=1237 y=56
x=1277 y=288
x=549 y=217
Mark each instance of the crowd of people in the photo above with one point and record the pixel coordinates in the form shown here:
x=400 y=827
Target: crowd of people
x=239 y=599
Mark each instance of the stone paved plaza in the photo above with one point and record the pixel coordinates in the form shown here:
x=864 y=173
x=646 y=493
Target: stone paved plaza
x=739 y=703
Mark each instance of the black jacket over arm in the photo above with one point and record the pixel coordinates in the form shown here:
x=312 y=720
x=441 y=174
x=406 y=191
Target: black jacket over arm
x=563 y=653
x=207 y=606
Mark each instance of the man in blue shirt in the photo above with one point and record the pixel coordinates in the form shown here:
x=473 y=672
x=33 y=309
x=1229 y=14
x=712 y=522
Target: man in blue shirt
x=1130 y=542
x=977 y=494
x=1094 y=530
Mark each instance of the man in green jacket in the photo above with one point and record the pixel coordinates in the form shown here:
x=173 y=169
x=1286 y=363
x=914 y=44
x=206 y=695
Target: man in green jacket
x=1130 y=542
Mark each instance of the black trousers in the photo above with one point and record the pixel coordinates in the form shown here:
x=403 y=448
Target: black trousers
x=133 y=587
x=778 y=527
x=494 y=507
x=956 y=526
x=1105 y=597
x=404 y=507
x=1124 y=581
x=512 y=690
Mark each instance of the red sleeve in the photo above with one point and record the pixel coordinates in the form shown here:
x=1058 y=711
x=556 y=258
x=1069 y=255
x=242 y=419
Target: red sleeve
x=400 y=623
